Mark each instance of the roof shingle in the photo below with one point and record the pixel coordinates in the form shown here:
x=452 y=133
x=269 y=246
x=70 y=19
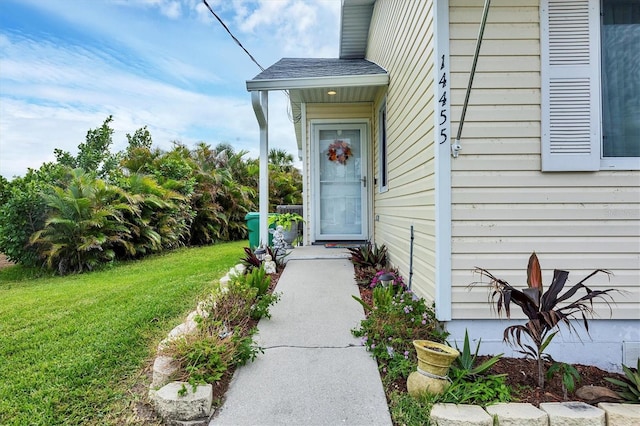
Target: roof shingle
x=292 y=68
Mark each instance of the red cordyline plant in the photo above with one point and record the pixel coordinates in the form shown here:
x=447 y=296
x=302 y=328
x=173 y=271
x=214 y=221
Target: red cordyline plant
x=545 y=310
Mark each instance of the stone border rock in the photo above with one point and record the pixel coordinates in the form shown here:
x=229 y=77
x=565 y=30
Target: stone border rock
x=179 y=403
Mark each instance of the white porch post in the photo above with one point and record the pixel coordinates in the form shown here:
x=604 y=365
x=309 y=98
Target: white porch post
x=260 y=102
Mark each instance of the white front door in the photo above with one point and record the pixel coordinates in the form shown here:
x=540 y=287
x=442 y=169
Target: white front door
x=340 y=181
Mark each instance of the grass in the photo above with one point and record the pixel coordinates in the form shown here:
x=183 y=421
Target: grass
x=409 y=411
x=71 y=348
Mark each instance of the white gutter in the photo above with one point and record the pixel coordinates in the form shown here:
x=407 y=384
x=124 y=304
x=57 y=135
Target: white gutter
x=316 y=82
x=260 y=102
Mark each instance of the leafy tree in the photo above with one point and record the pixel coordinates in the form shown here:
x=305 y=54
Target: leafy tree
x=141 y=138
x=5 y=190
x=175 y=168
x=139 y=155
x=285 y=187
x=285 y=181
x=238 y=189
x=23 y=210
x=93 y=154
x=281 y=159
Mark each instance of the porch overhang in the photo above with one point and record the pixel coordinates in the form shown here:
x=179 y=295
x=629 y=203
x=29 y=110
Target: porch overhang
x=309 y=80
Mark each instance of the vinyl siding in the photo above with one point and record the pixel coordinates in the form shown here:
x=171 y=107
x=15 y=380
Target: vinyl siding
x=401 y=41
x=334 y=112
x=503 y=207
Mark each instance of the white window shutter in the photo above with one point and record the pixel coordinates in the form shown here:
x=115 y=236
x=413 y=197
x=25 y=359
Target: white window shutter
x=570 y=53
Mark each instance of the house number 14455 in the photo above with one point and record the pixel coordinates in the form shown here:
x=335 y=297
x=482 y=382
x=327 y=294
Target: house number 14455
x=443 y=103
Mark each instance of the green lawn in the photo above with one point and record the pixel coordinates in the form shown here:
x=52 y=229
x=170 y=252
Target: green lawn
x=72 y=347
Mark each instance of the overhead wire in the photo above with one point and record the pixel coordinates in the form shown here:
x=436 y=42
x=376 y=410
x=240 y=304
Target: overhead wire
x=286 y=92
x=232 y=36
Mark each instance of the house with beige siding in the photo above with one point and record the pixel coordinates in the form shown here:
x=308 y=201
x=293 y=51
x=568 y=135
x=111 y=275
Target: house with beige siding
x=461 y=135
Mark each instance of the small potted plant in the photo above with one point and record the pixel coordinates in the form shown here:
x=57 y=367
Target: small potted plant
x=289 y=222
x=434 y=360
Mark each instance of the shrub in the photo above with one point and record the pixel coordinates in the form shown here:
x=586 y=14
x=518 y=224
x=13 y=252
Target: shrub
x=465 y=364
x=470 y=382
x=23 y=210
x=367 y=260
x=630 y=385
x=258 y=280
x=545 y=310
x=369 y=255
x=481 y=390
x=389 y=330
x=250 y=260
x=225 y=333
x=21 y=215
x=570 y=376
x=206 y=357
x=84 y=225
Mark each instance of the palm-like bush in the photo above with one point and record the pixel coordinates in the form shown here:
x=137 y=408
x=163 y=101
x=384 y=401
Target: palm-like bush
x=221 y=198
x=155 y=220
x=84 y=225
x=369 y=255
x=546 y=310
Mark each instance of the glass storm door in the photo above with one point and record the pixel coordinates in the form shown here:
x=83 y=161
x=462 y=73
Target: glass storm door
x=340 y=182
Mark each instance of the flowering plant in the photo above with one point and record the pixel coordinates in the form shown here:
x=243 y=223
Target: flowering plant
x=398 y=281
x=339 y=151
x=388 y=332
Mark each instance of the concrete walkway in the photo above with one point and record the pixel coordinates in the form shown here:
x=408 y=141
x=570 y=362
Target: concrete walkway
x=313 y=371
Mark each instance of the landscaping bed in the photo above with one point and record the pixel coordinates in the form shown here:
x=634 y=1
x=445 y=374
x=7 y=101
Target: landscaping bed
x=391 y=325
x=144 y=410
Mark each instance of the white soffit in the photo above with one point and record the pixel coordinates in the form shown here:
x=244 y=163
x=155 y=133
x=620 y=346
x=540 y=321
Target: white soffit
x=355 y=20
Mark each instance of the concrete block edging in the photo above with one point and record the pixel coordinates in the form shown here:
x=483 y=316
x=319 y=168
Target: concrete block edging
x=523 y=414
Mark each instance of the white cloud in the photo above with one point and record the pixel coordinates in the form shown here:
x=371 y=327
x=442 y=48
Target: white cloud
x=183 y=79
x=301 y=28
x=53 y=104
x=172 y=9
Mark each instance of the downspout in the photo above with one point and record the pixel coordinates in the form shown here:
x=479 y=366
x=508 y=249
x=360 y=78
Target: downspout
x=455 y=147
x=260 y=102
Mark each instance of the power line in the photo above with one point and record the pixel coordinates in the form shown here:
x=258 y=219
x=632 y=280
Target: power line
x=232 y=36
x=289 y=113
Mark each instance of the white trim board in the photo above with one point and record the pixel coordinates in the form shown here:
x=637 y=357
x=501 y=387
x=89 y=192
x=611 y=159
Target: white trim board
x=442 y=165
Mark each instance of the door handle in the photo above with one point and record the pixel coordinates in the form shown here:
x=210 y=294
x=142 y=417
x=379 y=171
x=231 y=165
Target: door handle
x=364 y=181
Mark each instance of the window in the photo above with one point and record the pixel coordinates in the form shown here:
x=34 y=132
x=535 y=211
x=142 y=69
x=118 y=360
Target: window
x=382 y=136
x=620 y=47
x=590 y=88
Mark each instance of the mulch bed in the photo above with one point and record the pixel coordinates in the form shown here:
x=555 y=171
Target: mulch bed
x=522 y=376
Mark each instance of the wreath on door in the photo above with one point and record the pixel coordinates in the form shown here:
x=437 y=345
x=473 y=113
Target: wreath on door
x=339 y=151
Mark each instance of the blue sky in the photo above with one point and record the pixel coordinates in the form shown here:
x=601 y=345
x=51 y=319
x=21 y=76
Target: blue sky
x=65 y=65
